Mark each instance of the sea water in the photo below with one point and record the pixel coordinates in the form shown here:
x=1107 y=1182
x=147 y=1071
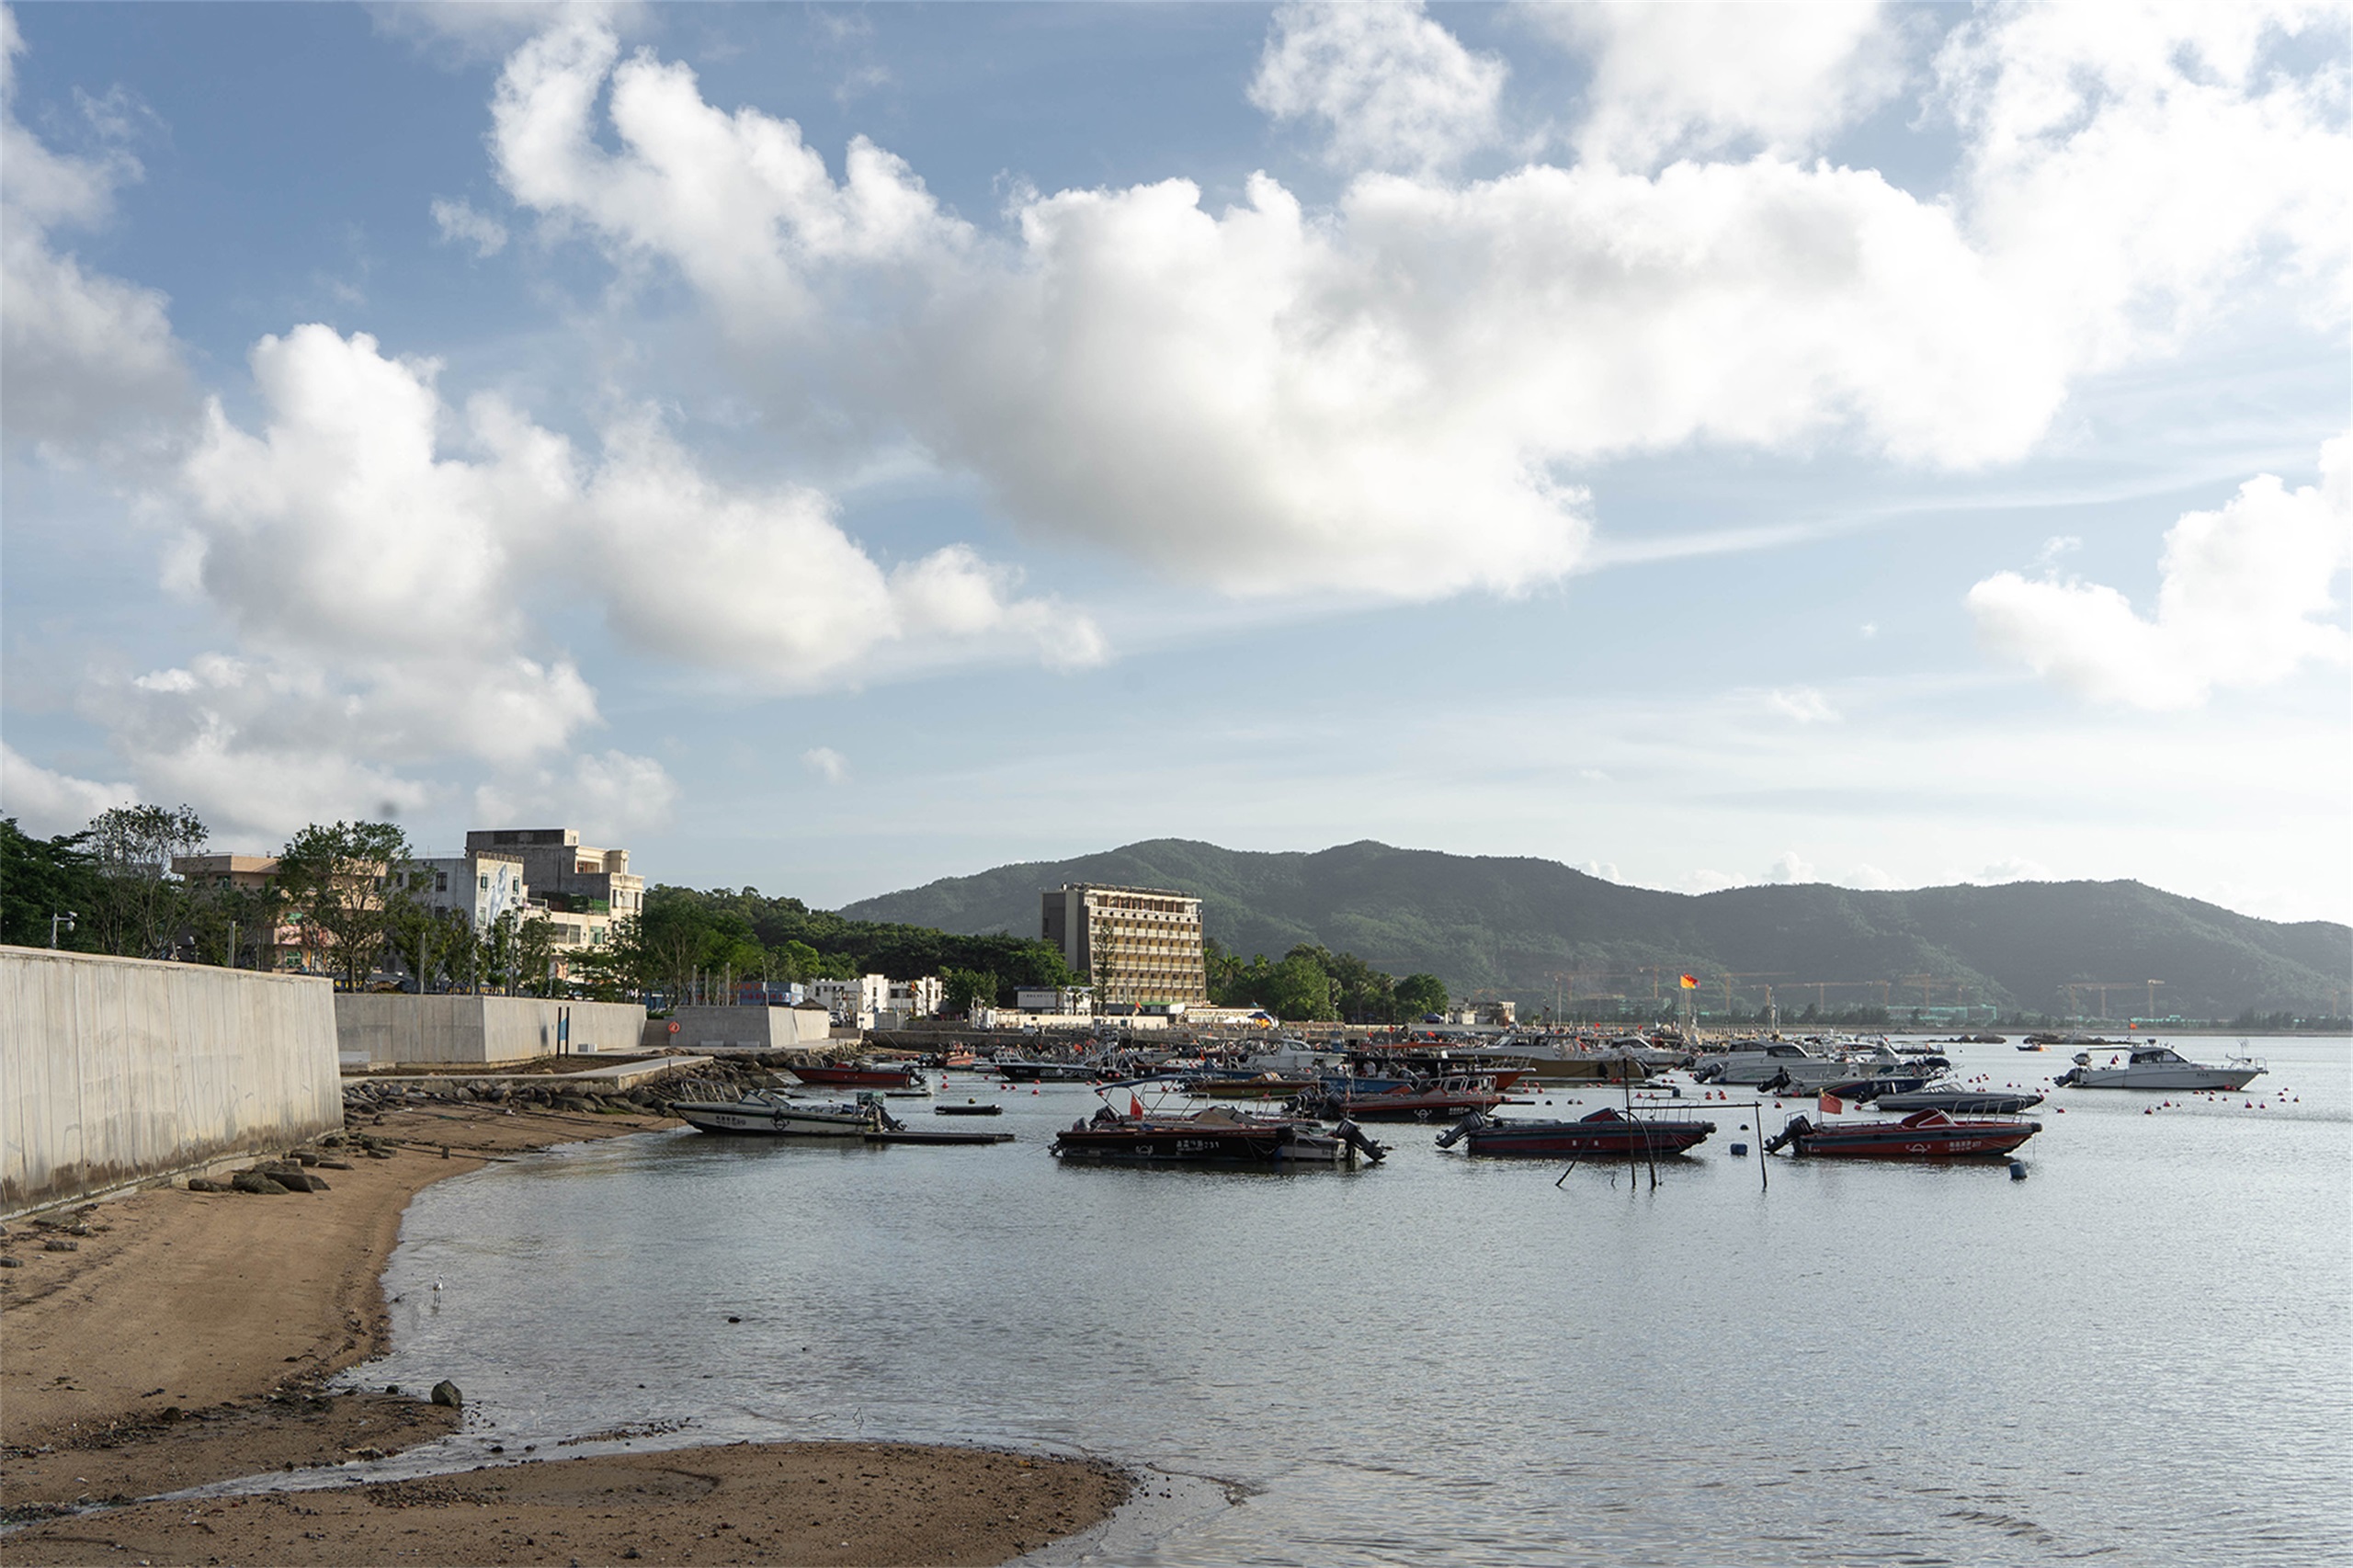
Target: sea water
x=2141 y=1353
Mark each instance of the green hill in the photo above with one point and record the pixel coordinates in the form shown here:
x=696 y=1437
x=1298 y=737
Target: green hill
x=1530 y=929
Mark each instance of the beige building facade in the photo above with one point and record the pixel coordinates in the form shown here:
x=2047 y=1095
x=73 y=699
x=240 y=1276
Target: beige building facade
x=581 y=889
x=1139 y=945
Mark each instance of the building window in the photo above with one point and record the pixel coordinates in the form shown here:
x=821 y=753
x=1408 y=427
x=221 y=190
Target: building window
x=485 y=882
x=440 y=882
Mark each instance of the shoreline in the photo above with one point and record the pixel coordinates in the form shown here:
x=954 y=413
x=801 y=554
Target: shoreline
x=187 y=1338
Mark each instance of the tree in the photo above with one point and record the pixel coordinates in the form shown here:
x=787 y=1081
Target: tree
x=141 y=903
x=1420 y=993
x=338 y=885
x=40 y=878
x=962 y=990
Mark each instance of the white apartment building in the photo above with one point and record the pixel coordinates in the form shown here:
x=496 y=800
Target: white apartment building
x=484 y=886
x=852 y=1003
x=581 y=889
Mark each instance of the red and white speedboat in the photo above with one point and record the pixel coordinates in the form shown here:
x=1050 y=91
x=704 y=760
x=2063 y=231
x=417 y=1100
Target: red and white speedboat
x=1923 y=1135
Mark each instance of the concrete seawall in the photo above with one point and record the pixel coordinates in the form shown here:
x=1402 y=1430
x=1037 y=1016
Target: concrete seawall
x=740 y=1028
x=115 y=1071
x=381 y=1028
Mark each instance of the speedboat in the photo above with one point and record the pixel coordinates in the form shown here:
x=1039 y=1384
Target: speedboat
x=862 y=1075
x=1606 y=1134
x=1340 y=1099
x=1217 y=1136
x=768 y=1113
x=1754 y=1063
x=2158 y=1067
x=1960 y=1099
x=1923 y=1135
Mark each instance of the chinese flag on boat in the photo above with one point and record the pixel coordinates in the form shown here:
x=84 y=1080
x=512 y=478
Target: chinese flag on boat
x=1832 y=1105
x=1690 y=983
x=1135 y=1108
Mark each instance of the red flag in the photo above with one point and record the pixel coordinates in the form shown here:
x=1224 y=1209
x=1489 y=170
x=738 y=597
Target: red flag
x=1690 y=983
x=1135 y=1108
x=1831 y=1105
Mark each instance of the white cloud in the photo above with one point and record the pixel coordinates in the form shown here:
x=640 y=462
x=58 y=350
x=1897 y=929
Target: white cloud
x=457 y=221
x=609 y=795
x=2010 y=868
x=1394 y=398
x=474 y=31
x=1867 y=629
x=2246 y=598
x=1689 y=79
x=388 y=595
x=1605 y=869
x=90 y=359
x=1791 y=867
x=2124 y=165
x=826 y=764
x=46 y=803
x=1397 y=90
x=1869 y=877
x=1803 y=703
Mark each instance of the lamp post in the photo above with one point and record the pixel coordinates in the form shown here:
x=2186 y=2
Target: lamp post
x=61 y=923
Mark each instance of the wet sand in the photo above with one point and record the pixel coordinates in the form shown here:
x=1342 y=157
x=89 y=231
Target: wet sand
x=187 y=1337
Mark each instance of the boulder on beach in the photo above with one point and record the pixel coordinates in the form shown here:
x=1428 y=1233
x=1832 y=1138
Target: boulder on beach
x=446 y=1393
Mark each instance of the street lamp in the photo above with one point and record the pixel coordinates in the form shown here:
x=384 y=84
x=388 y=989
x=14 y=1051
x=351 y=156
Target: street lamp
x=61 y=922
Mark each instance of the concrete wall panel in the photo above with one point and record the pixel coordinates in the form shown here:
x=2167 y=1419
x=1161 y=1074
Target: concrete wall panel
x=118 y=1069
x=380 y=1028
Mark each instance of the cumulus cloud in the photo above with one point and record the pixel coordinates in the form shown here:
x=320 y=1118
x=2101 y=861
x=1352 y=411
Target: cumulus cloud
x=1791 y=867
x=2245 y=598
x=459 y=222
x=46 y=803
x=826 y=764
x=609 y=795
x=1692 y=79
x=1396 y=90
x=1803 y=703
x=2010 y=868
x=1395 y=397
x=384 y=558
x=91 y=359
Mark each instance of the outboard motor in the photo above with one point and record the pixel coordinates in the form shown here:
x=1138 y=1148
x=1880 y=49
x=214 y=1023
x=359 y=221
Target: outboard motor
x=1349 y=1133
x=1471 y=1122
x=1796 y=1126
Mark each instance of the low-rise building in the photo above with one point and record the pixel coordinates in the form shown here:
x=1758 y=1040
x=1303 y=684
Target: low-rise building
x=1075 y=1001
x=483 y=885
x=581 y=889
x=854 y=1004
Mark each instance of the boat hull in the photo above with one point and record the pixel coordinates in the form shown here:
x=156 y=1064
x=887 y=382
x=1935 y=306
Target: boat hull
x=860 y=1077
x=2192 y=1077
x=765 y=1121
x=1177 y=1143
x=1582 y=1140
x=1942 y=1139
x=1960 y=1102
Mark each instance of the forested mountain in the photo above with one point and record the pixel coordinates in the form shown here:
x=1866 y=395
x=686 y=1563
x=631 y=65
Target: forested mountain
x=1534 y=929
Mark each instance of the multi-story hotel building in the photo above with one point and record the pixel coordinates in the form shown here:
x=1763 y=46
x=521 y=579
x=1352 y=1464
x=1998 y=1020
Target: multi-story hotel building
x=1139 y=945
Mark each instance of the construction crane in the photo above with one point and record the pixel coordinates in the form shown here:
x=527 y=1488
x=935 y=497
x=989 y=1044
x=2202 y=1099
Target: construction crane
x=2074 y=988
x=1730 y=975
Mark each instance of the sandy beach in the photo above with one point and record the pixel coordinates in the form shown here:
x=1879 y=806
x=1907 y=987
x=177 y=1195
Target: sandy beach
x=186 y=1337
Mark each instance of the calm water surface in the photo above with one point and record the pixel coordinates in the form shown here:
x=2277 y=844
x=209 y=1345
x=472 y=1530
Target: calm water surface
x=2143 y=1353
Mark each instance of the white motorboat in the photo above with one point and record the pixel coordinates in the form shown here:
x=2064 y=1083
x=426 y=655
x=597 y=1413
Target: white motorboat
x=2153 y=1066
x=1756 y=1061
x=765 y=1112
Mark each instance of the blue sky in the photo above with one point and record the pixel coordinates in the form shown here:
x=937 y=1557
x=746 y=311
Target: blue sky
x=826 y=449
